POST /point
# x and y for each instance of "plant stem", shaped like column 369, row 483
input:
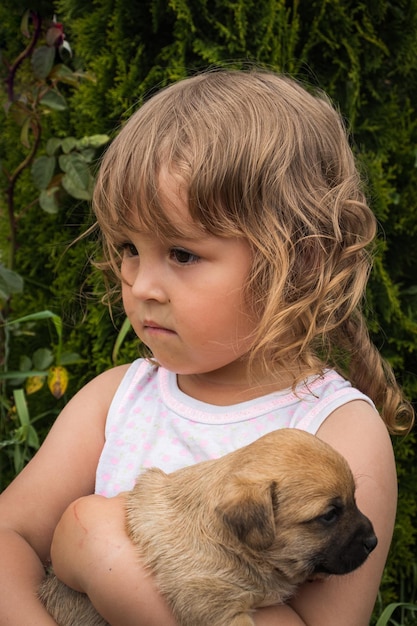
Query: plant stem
column 37, row 23
column 36, row 129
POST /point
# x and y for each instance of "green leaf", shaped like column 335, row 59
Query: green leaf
column 18, row 459
column 43, row 61
column 65, row 75
column 24, row 133
column 77, row 180
column 68, row 144
column 41, row 315
column 57, row 321
column 89, row 154
column 68, row 358
column 10, row 282
column 27, row 434
column 42, row 171
column 25, row 364
column 126, row 326
column 47, row 200
column 73, row 190
column 94, row 141
column 20, row 434
column 32, row 437
column 7, row 442
column 18, row 376
column 24, row 24
column 54, row 100
column 52, row 145
column 42, row 358
column 75, row 166
column 389, row 610
column 21, row 407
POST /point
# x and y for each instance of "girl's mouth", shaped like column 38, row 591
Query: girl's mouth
column 154, row 328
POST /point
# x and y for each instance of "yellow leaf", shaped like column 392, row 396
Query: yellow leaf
column 58, row 381
column 33, row 384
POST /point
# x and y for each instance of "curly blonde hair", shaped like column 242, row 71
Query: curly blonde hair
column 264, row 159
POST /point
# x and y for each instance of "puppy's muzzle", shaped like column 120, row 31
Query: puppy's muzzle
column 350, row 549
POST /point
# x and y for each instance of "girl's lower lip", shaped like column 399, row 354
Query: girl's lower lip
column 157, row 330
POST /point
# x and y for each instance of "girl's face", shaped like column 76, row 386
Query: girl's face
column 185, row 296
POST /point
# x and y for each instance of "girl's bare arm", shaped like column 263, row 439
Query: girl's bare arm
column 62, row 470
column 359, row 434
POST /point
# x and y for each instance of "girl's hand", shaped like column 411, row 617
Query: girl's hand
column 92, row 553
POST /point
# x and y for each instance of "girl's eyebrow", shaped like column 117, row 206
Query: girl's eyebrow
column 192, row 237
column 187, row 239
column 168, row 239
column 189, row 231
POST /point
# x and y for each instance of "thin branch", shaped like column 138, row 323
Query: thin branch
column 37, row 22
column 10, row 190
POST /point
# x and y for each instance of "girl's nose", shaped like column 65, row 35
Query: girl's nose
column 149, row 284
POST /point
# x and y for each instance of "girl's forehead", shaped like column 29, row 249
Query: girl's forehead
column 173, row 196
column 168, row 213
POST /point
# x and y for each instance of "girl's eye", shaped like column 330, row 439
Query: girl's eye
column 129, row 249
column 183, row 257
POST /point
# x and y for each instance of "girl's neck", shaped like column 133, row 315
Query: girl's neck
column 212, row 389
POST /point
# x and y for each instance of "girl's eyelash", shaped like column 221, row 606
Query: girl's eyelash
column 183, row 256
column 129, row 248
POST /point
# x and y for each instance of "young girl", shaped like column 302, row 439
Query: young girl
column 234, row 223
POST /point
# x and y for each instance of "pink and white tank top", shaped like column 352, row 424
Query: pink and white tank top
column 152, row 423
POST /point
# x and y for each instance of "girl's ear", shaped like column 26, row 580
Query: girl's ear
column 248, row 511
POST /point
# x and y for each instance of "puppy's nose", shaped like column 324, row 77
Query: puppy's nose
column 370, row 543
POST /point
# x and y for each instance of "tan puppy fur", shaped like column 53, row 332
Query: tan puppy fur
column 226, row 536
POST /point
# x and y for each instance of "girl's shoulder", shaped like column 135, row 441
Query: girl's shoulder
column 126, row 380
column 111, row 377
column 102, row 388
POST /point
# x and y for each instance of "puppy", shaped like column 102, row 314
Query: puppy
column 226, row 536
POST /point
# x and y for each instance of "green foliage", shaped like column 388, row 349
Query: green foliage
column 24, row 436
column 404, row 607
column 362, row 53
column 32, row 94
column 403, row 611
column 73, row 157
column 10, row 283
column 20, row 438
column 32, row 182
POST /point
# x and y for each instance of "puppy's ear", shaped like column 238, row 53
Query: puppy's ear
column 248, row 511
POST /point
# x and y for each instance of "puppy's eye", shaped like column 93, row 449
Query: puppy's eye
column 331, row 515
